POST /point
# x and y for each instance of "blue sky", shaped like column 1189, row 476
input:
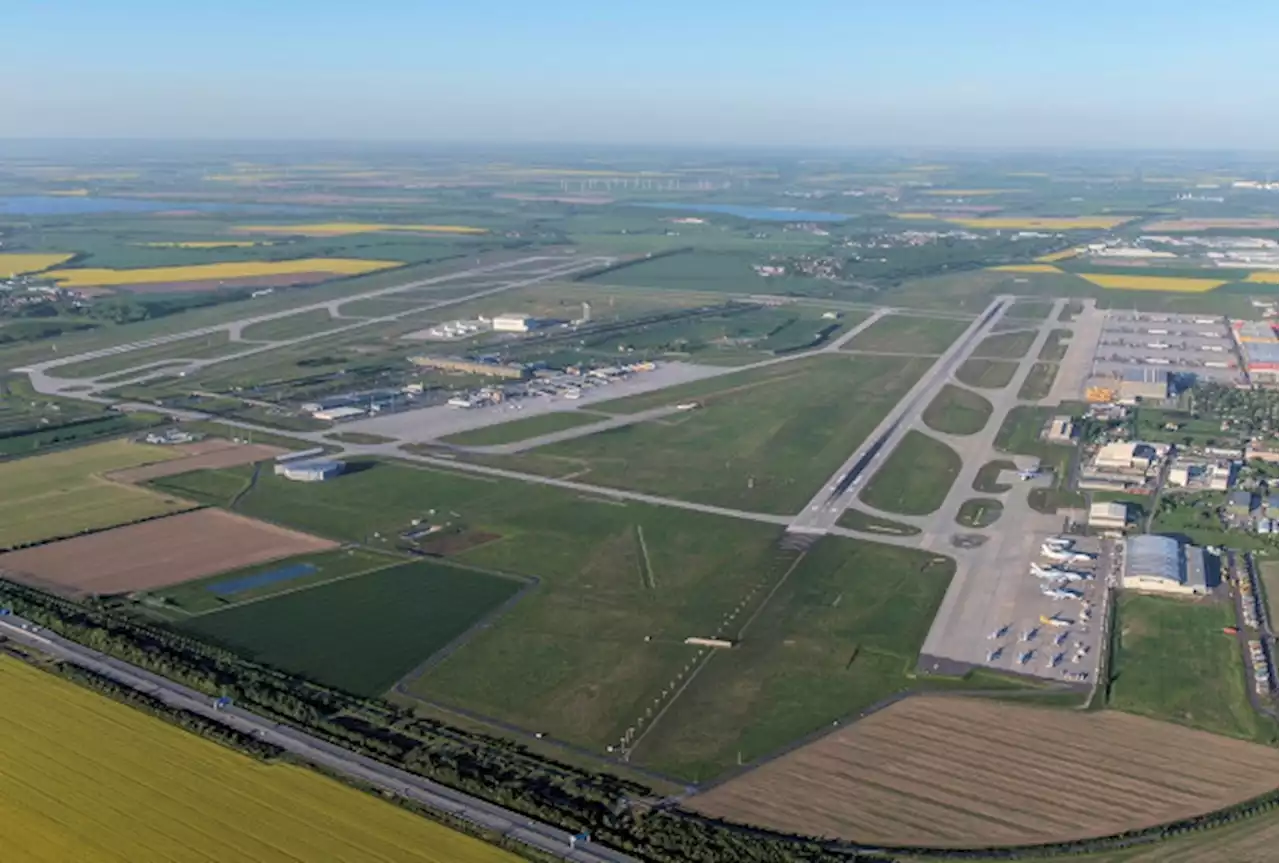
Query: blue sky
column 972, row 73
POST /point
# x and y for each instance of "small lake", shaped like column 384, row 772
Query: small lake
column 759, row 214
column 71, row 205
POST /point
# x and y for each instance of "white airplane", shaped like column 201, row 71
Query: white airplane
column 1064, row 555
column 1060, row 593
column 999, row 633
column 1055, row 573
column 995, row 654
column 1024, row 658
column 1057, row 622
column 1059, row 542
column 1029, row 474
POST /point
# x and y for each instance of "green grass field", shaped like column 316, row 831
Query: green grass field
column 1269, row 573
column 955, row 410
column 916, row 477
column 722, row 272
column 986, row 374
column 856, row 519
column 1019, row 434
column 979, row 512
column 301, row 324
column 841, row 633
column 62, row 493
column 1039, row 381
column 908, row 334
column 987, row 480
column 360, row 634
column 200, row 596
column 569, row 658
column 1031, row 310
column 523, row 428
column 762, row 440
column 1004, row 346
column 1173, row 662
column 1055, row 346
column 200, row 347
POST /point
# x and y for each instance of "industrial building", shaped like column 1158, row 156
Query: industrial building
column 1061, row 430
column 1202, row 475
column 1159, row 564
column 337, row 414
column 513, row 323
column 470, row 367
column 1109, row 516
column 1144, row 382
column 309, row 471
column 1129, row 455
column 1259, row 345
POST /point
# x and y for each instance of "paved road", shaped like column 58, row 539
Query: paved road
column 441, row 798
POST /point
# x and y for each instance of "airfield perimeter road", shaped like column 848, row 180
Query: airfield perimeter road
column 513, row 825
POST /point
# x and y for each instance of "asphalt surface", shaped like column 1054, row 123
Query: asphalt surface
column 438, row 797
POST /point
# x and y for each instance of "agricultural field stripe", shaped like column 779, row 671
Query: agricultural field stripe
column 261, row 579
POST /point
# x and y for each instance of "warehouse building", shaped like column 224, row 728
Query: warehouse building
column 309, row 471
column 513, row 323
column 1109, row 516
column 1144, row 382
column 1159, row 564
column 1128, row 455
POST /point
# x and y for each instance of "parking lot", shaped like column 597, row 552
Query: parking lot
column 1182, row 344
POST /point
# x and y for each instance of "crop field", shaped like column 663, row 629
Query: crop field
column 205, row 455
column 338, row 229
column 986, row 374
column 63, row 493
column 1026, row 268
column 524, row 428
column 915, row 478
column 360, row 634
column 1004, row 346
column 156, row 553
column 1173, row 662
column 1264, row 277
column 18, row 263
column 90, row 780
column 570, row 657
column 1152, row 283
column 1039, row 381
column 969, row 772
column 1251, row 841
column 908, row 335
column 763, row 439
column 215, row 274
column 956, row 410
column 838, row 635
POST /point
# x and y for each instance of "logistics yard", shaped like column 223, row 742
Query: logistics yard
column 776, row 518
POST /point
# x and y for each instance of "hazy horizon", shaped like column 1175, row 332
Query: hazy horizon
column 1000, row 76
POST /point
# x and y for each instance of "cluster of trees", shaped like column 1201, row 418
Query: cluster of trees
column 618, row 812
column 1249, row 413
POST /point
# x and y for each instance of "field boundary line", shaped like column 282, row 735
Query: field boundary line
column 646, row 566
column 675, row 696
column 769, row 596
column 299, row 589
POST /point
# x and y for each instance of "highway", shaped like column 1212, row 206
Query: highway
column 440, row 798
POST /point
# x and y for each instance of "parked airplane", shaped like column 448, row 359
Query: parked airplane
column 1059, row 542
column 1064, row 555
column 1057, row 622
column 1056, row 659
column 1030, row 634
column 1024, row 658
column 1056, row 573
column 1059, row 639
column 999, row 633
column 995, row 654
column 1060, row 593
column 1029, row 474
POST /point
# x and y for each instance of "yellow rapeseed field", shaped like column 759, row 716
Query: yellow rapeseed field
column 1047, row 223
column 205, row 244
column 1264, row 277
column 1027, row 268
column 1152, row 283
column 1053, row 257
column 88, row 780
column 919, row 216
column 90, row 277
column 17, row 263
column 334, row 229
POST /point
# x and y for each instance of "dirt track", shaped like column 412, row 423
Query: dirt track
column 204, row 455
column 156, row 553
column 960, row 771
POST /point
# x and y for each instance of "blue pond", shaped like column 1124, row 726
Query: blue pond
column 259, row 579
column 57, row 205
column 759, row 214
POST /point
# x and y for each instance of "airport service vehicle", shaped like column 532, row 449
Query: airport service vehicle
column 686, row 406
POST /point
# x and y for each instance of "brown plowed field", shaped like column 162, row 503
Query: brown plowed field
column 942, row 771
column 156, row 553
column 203, row 455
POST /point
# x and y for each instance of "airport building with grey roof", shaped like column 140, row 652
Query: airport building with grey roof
column 1160, row 564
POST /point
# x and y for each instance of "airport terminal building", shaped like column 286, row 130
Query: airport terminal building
column 1158, row 564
